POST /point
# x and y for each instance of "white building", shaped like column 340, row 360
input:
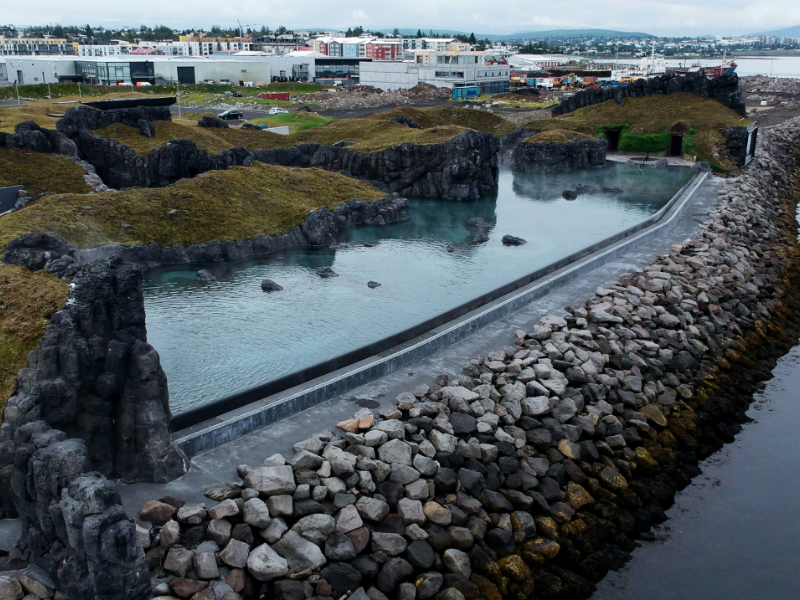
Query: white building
column 486, row 71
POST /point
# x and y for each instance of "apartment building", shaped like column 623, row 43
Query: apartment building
column 486, row 71
column 359, row 47
column 437, row 44
column 35, row 47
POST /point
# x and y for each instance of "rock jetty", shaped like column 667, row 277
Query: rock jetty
column 537, row 471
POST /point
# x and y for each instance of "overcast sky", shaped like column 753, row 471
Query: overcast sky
column 673, row 17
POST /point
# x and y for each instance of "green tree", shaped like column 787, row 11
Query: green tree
column 396, row 32
column 358, row 31
column 419, row 33
column 472, row 39
column 281, row 30
column 89, row 32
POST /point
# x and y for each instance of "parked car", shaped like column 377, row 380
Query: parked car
column 276, row 110
column 230, row 115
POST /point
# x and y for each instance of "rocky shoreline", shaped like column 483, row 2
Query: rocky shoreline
column 537, row 471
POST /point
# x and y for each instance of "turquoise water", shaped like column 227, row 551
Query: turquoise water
column 228, row 336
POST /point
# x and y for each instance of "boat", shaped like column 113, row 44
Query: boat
column 727, row 66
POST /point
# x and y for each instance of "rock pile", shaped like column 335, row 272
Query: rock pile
column 351, row 97
column 777, row 91
column 542, row 464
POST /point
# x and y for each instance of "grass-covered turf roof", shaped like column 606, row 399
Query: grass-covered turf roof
column 371, row 135
column 219, row 205
column 438, row 116
column 558, row 135
column 653, row 116
column 41, row 172
column 27, row 301
column 650, row 115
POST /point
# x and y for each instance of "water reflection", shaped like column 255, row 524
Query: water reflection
column 228, row 336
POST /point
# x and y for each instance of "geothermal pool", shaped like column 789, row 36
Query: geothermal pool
column 228, row 336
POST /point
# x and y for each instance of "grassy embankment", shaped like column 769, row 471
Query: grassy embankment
column 439, row 116
column 558, row 136
column 41, row 172
column 297, row 121
column 646, row 122
column 70, row 90
column 372, row 134
column 219, row 205
column 27, row 301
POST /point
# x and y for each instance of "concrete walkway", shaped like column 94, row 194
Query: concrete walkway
column 220, row 464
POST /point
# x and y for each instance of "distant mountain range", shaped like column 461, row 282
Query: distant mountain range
column 565, row 33
column 788, row 32
column 526, row 35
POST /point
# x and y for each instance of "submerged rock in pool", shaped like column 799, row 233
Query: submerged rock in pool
column 510, row 240
column 270, row 286
column 326, row 272
column 371, row 244
column 612, row 190
column 479, row 222
column 373, row 284
column 569, row 194
column 481, row 238
column 204, row 276
column 586, row 189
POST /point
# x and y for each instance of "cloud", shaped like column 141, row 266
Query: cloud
column 360, row 16
column 667, row 17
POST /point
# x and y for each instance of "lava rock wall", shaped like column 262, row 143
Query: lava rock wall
column 558, row 157
column 94, row 376
column 73, row 523
column 459, row 169
column 89, row 118
column 725, row 89
column 29, row 136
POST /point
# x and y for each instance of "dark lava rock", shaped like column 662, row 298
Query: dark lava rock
column 365, row 565
column 391, row 491
column 212, row 122
column 286, row 589
column 420, row 554
column 438, row 537
column 305, row 508
column 205, row 276
column 407, row 122
column 147, row 128
column 510, row 240
column 472, row 482
column 463, row 423
column 394, row 571
column 480, row 238
column 326, row 272
column 341, row 576
column 586, row 189
column 569, row 195
column 612, row 190
column 500, row 540
column 251, row 126
column 495, row 502
column 446, row 482
column 270, row 286
column 373, row 284
column 371, row 244
column 479, row 222
column 449, row 460
column 428, row 584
